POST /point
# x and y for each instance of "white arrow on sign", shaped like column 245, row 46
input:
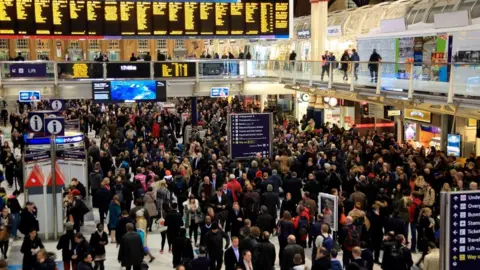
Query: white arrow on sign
column 455, row 198
column 455, row 249
column 455, row 232
column 455, row 206
column 455, row 224
column 455, row 241
column 455, row 215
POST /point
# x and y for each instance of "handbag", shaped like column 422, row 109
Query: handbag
column 4, row 235
column 199, row 218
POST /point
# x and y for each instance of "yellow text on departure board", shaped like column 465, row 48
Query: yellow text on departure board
column 266, row 17
column 143, row 14
column 175, row 70
column 21, row 6
column 92, row 6
column 3, row 10
column 111, row 11
column 190, row 20
column 80, row 71
column 221, row 10
column 281, row 15
column 160, row 9
column 57, row 7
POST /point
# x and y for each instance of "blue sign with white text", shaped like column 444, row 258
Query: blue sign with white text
column 250, row 134
column 28, row 70
column 28, row 96
column 219, row 92
column 464, row 251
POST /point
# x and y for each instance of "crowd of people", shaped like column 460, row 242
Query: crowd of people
column 144, row 179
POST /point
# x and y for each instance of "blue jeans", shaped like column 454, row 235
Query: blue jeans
column 413, row 243
column 15, row 223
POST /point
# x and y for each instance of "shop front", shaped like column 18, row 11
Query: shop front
column 422, row 128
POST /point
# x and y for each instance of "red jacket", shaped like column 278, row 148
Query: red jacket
column 411, row 209
column 235, row 187
column 305, row 213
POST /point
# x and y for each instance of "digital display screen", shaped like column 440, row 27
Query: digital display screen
column 144, row 18
column 95, row 18
column 112, row 18
column 43, row 17
column 176, row 19
column 61, row 17
column 192, row 14
column 78, row 17
column 128, row 18
column 25, row 17
column 160, row 18
column 207, row 19
column 7, row 16
column 281, row 22
column 252, row 18
column 267, row 15
column 175, row 69
column 222, row 18
column 28, row 96
column 129, row 91
column 237, row 18
column 128, row 70
column 250, row 134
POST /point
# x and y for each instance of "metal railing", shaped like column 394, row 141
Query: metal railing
column 447, row 79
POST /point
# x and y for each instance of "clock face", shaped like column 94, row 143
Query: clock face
column 305, row 97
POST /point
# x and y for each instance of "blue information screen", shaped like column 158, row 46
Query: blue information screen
column 250, row 134
column 464, row 252
column 28, row 96
column 217, row 92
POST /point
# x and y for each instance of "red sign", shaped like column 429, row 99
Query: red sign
column 59, row 177
column 35, row 178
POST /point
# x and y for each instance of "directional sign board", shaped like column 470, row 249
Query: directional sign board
column 463, row 230
column 54, row 126
column 250, row 134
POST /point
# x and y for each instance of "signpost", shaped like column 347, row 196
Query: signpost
column 460, row 230
column 250, row 134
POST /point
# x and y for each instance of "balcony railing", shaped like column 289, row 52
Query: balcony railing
column 444, row 79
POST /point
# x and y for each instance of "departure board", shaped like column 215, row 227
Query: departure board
column 237, row 18
column 176, row 19
column 144, row 18
column 78, row 17
column 95, row 18
column 25, row 17
column 192, row 14
column 160, row 18
column 7, row 16
column 207, row 19
column 43, row 17
column 282, row 27
column 252, row 19
column 267, row 16
column 222, row 18
column 112, row 18
column 128, row 18
column 61, row 17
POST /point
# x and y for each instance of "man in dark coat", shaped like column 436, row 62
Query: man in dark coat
column 28, row 219
column 202, row 262
column 293, row 186
column 235, row 220
column 80, row 187
column 214, row 242
column 121, row 228
column 264, row 256
column 173, row 222
column 131, row 249
column 233, row 256
column 272, row 201
column 265, row 222
column 289, row 252
column 220, row 202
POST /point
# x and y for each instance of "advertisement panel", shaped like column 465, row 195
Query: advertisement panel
column 219, row 92
column 250, row 134
column 454, row 145
column 28, row 96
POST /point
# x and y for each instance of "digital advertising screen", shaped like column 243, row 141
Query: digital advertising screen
column 78, row 17
column 219, row 92
column 128, row 70
column 8, row 17
column 61, row 17
column 28, row 96
column 95, row 18
column 129, row 91
column 454, row 145
column 250, row 134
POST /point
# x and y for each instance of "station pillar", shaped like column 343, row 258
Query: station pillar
column 194, row 112
column 319, row 23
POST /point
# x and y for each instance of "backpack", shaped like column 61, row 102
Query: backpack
column 352, row 238
column 303, row 225
column 327, row 242
column 397, row 256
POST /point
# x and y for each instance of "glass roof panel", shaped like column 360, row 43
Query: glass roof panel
column 353, row 24
column 439, row 9
column 372, row 21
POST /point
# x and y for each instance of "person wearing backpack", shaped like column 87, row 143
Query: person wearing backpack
column 352, row 236
column 324, row 239
column 400, row 255
column 357, row 259
column 301, row 223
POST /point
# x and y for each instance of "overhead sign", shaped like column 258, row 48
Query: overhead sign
column 35, row 121
column 418, row 115
column 250, row 134
column 453, row 145
column 175, row 69
column 219, row 92
column 303, row 34
column 463, row 232
column 57, row 104
column 28, row 96
column 334, row 31
column 28, row 70
column 54, row 126
column 394, row 112
column 128, row 70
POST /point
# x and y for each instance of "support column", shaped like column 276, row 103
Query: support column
column 319, row 23
column 194, row 112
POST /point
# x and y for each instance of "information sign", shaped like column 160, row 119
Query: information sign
column 250, row 134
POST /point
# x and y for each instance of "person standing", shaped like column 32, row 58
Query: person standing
column 28, row 219
column 94, row 179
column 15, row 208
column 131, row 251
column 30, row 247
column 344, row 64
column 98, row 240
column 286, row 261
column 202, row 262
column 67, row 245
column 173, row 222
column 373, row 65
column 114, row 213
column 86, row 264
column 325, row 64
column 355, row 58
column 182, row 250
column 264, row 256
column 103, row 201
column 232, row 256
column 214, row 242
